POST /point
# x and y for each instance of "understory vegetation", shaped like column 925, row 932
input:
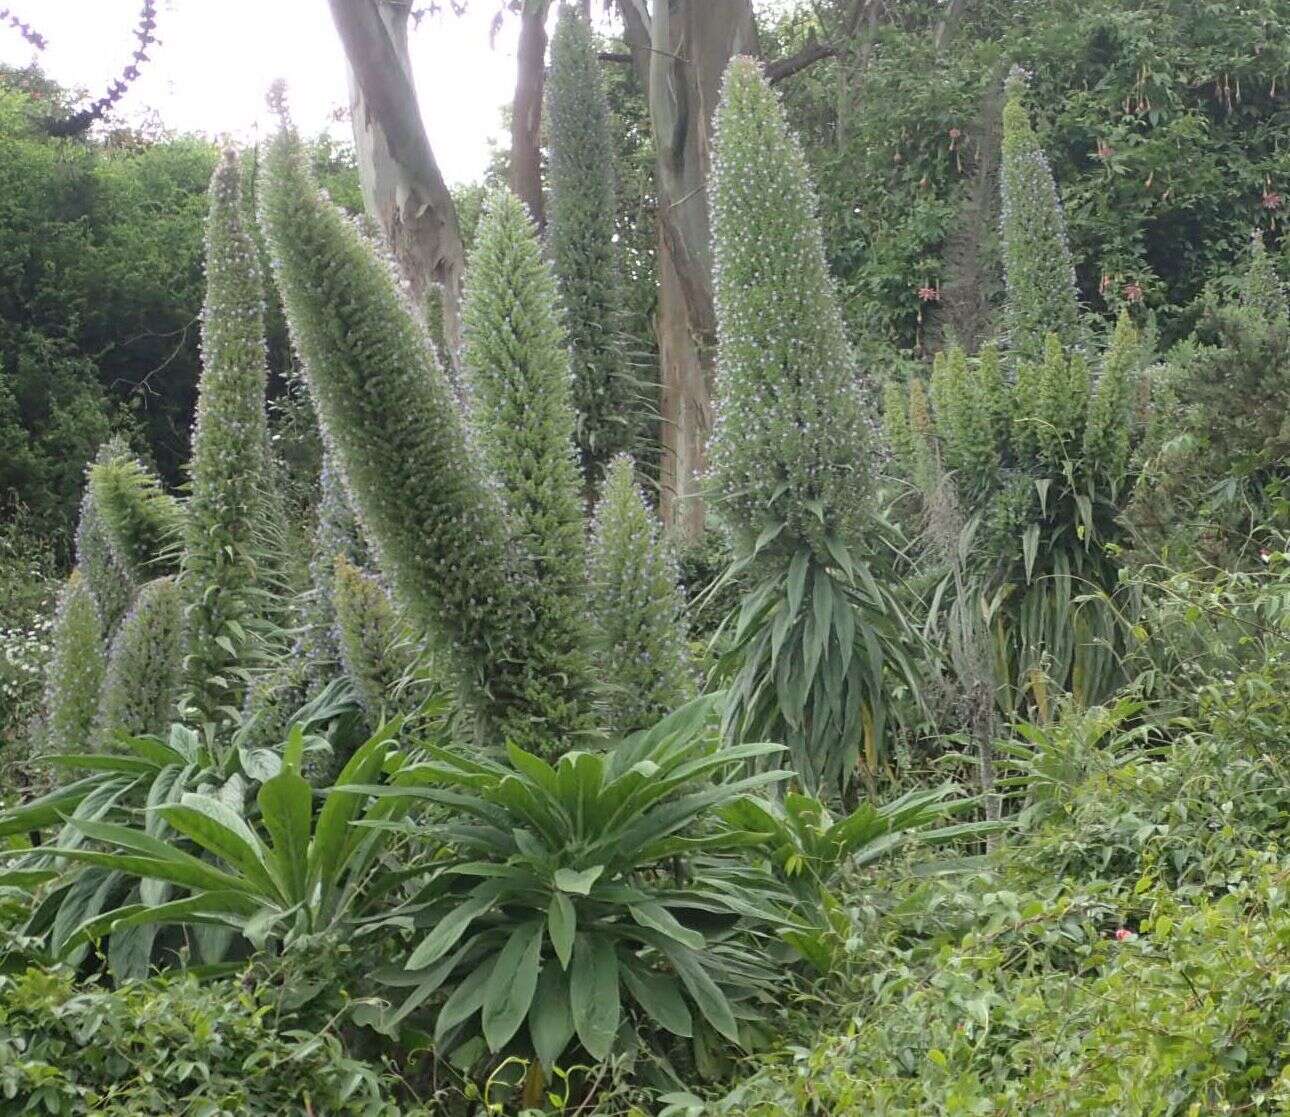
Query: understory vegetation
column 375, row 747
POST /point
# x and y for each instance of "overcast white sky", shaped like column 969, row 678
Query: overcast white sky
column 217, row 58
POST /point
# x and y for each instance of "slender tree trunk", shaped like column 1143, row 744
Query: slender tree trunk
column 403, row 188
column 526, row 114
column 586, row 10
column 946, row 25
column 680, row 49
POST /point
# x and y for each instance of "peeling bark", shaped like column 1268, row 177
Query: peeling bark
column 526, row 110
column 403, row 188
column 680, row 50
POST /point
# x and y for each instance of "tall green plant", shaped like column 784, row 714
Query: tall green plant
column 228, row 461
column 1044, row 464
column 143, row 668
column 105, row 574
column 1039, row 270
column 76, row 666
column 517, row 372
column 582, row 239
column 144, row 524
column 556, row 920
column 636, row 597
column 791, row 456
column 374, row 646
column 438, row 522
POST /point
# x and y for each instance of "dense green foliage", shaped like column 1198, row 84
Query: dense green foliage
column 176, row 1046
column 981, row 806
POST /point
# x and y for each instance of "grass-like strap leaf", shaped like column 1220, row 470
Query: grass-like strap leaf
column 219, row 830
column 466, row 999
column 705, row 992
column 578, row 882
column 286, row 805
column 663, row 921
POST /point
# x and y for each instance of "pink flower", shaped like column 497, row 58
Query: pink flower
column 1104, row 150
column 1123, row 934
column 1133, row 292
column 929, row 295
column 1271, row 199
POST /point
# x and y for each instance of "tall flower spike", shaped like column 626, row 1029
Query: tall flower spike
column 143, row 523
column 1109, row 428
column 439, row 527
column 581, row 233
column 228, row 460
column 106, row 576
column 792, row 440
column 144, row 666
column 636, row 596
column 517, row 372
column 336, row 535
column 374, row 647
column 1039, row 271
column 75, row 673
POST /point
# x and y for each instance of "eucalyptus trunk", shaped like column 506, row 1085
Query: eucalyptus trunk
column 403, row 188
column 680, row 50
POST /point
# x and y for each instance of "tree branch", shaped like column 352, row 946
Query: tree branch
column 814, row 51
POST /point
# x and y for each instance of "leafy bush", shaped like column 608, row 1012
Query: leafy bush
column 590, row 899
column 169, row 1047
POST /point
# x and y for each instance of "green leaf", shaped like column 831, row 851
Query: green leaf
column 660, row 996
column 551, row 1018
column 332, row 831
column 453, row 925
column 220, row 831
column 593, row 993
column 286, row 805
column 562, row 922
column 512, row 984
column 706, row 993
column 662, row 920
column 578, row 883
column 466, row 999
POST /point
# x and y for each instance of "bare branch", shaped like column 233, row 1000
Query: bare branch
column 814, row 51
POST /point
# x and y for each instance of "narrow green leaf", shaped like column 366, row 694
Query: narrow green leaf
column 562, row 922
column 510, row 989
column 593, row 993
